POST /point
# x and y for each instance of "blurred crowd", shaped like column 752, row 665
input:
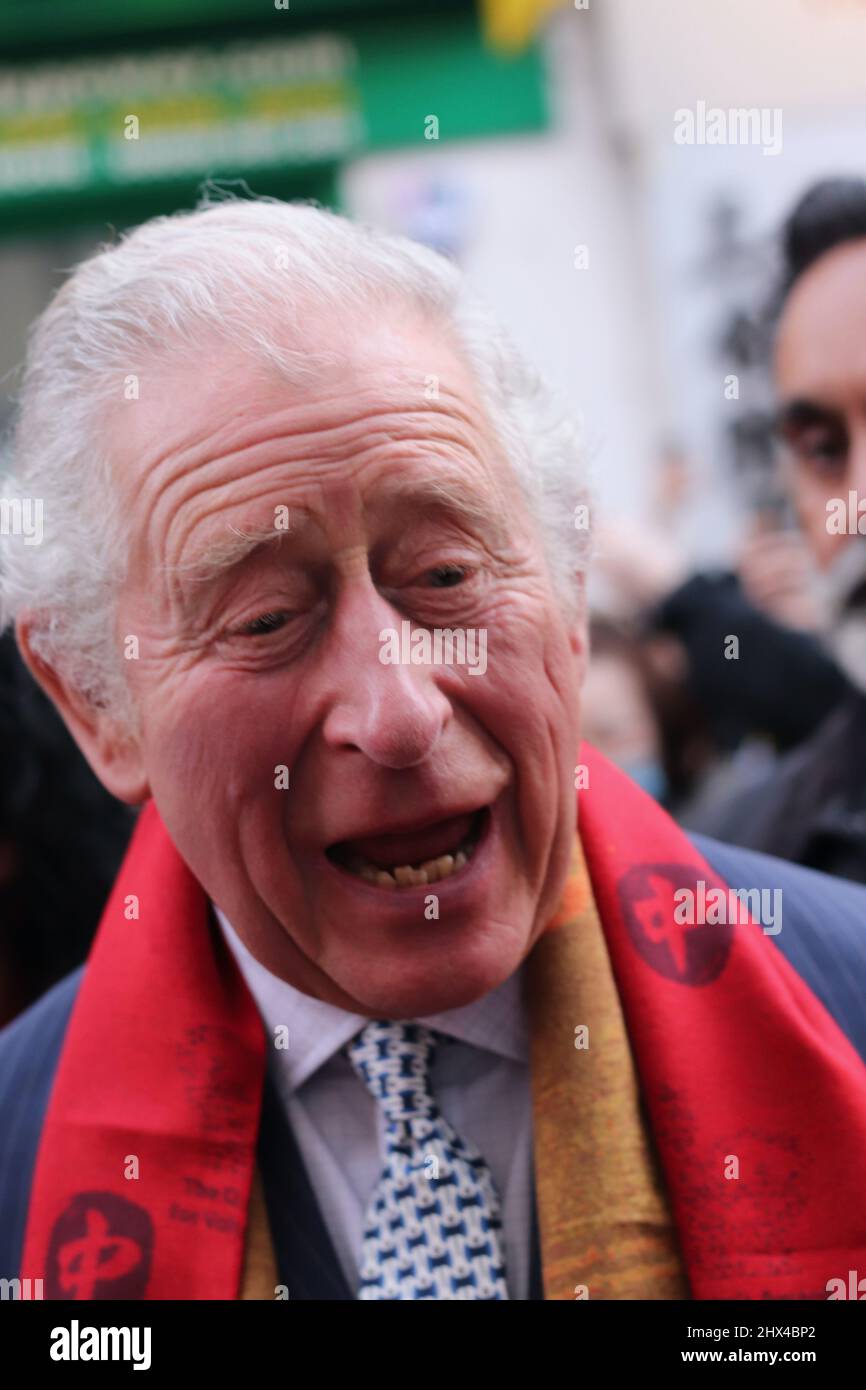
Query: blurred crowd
column 736, row 698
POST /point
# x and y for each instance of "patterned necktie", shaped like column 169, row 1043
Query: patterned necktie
column 433, row 1227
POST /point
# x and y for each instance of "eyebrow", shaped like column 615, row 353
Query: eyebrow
column 443, row 494
column 448, row 494
column 800, row 413
column 229, row 551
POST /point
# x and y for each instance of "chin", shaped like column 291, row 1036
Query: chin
column 451, row 981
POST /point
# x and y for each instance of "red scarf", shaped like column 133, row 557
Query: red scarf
column 143, row 1178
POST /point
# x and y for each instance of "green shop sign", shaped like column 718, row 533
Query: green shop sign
column 136, row 117
column 93, row 130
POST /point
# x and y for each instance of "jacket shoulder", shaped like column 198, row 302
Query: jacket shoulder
column 823, row 927
column 29, row 1051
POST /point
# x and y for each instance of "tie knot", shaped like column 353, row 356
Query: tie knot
column 393, row 1061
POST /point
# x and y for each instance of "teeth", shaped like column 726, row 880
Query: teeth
column 412, row 876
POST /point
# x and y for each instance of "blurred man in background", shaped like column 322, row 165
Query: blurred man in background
column 796, row 602
column 812, row 807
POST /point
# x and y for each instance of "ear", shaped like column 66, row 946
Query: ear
column 113, row 753
column 578, row 633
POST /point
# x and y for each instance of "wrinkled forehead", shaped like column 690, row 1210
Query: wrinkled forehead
column 215, row 440
column 179, row 396
column 299, row 349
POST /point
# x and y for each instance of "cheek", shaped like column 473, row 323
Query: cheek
column 529, row 698
column 810, row 501
column 217, row 743
column 557, row 676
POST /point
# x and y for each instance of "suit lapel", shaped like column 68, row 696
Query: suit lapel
column 536, row 1282
column 306, row 1260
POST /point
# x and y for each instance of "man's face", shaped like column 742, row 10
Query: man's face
column 821, row 377
column 400, row 509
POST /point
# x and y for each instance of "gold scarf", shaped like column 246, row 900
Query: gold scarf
column 604, row 1222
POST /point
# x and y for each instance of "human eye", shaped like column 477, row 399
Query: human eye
column 819, row 444
column 447, row 576
column 822, row 447
column 269, row 634
column 264, row 624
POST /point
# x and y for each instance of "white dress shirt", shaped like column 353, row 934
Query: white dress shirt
column 481, row 1085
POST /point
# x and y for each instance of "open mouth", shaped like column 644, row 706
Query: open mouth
column 408, row 860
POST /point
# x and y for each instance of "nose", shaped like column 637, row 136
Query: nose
column 395, row 714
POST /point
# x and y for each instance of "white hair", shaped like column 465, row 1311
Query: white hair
column 227, row 267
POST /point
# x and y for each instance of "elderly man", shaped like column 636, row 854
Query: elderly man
column 365, row 1016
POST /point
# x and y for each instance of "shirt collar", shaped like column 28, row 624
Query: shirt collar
column 496, row 1022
